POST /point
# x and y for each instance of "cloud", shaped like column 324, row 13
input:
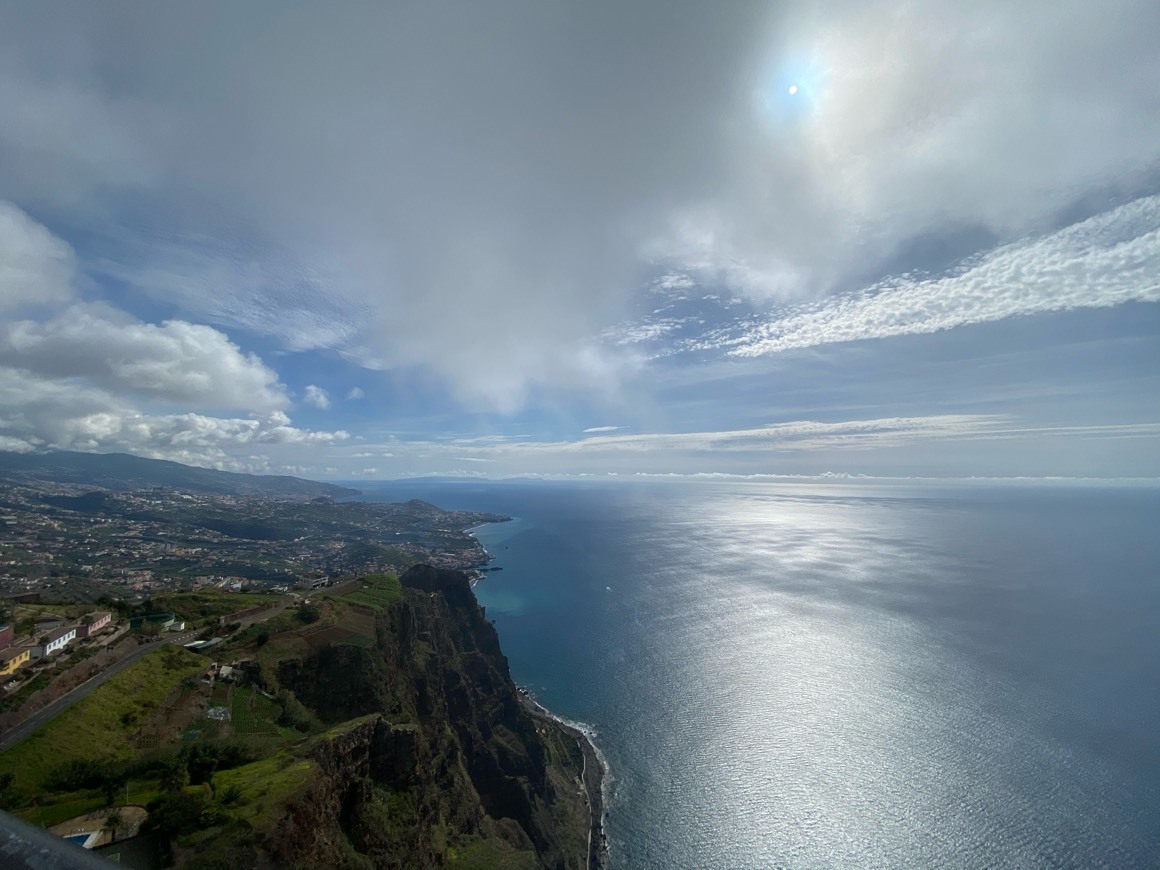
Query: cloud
column 602, row 429
column 487, row 221
column 316, row 396
column 795, row 435
column 235, row 284
column 35, row 266
column 178, row 362
column 922, row 120
column 355, row 394
column 1104, row 261
column 62, row 414
column 801, row 435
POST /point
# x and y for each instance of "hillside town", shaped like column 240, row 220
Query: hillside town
column 67, row 542
column 50, row 637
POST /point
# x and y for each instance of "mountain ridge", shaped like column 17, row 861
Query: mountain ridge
column 123, row 472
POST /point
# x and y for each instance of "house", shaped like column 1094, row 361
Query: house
column 161, row 620
column 11, row 659
column 93, row 623
column 54, row 642
column 7, row 636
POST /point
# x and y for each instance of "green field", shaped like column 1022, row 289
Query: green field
column 379, row 591
column 100, row 726
column 251, row 712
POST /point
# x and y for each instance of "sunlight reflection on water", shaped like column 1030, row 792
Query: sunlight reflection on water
column 788, row 679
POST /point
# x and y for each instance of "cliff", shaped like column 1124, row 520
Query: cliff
column 432, row 761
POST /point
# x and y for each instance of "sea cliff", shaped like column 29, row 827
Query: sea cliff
column 431, row 759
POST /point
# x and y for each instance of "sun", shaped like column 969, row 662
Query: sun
column 792, row 90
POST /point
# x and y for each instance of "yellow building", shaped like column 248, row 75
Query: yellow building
column 11, row 659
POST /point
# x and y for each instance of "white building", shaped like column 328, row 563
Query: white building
column 55, row 642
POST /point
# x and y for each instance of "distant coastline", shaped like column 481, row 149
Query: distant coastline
column 479, row 571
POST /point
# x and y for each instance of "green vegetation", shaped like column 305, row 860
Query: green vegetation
column 13, row 701
column 257, row 790
column 379, row 591
column 280, row 648
column 359, row 640
column 63, row 810
column 113, row 712
column 210, row 603
column 387, row 785
column 474, row 853
column 251, row 712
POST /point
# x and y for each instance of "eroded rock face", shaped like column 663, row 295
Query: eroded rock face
column 451, row 753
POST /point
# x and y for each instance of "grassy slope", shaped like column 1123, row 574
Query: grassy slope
column 94, row 727
column 264, row 785
column 379, row 591
column 259, row 790
column 206, row 603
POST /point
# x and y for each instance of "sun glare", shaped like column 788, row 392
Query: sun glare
column 792, row 90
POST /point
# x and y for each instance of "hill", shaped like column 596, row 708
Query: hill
column 121, row 472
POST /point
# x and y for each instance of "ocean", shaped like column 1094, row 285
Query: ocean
column 843, row 676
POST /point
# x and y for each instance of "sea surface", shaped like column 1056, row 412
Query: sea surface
column 840, row 676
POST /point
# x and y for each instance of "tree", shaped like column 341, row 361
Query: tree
column 114, row 822
column 175, row 775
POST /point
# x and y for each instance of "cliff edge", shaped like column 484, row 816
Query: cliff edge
column 430, row 760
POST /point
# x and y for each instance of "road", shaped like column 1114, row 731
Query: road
column 15, row 735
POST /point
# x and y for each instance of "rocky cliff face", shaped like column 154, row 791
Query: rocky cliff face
column 445, row 768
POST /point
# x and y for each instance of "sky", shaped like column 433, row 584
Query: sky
column 370, row 241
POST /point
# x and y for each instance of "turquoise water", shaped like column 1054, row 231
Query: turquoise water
column 809, row 677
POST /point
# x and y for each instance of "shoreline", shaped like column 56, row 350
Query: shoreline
column 595, row 775
column 474, row 575
column 595, row 778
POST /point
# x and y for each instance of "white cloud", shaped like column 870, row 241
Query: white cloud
column 35, row 266
column 1104, row 261
column 316, row 396
column 795, row 435
column 355, row 394
column 488, row 222
column 60, row 414
column 591, row 429
column 177, row 362
column 916, row 119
